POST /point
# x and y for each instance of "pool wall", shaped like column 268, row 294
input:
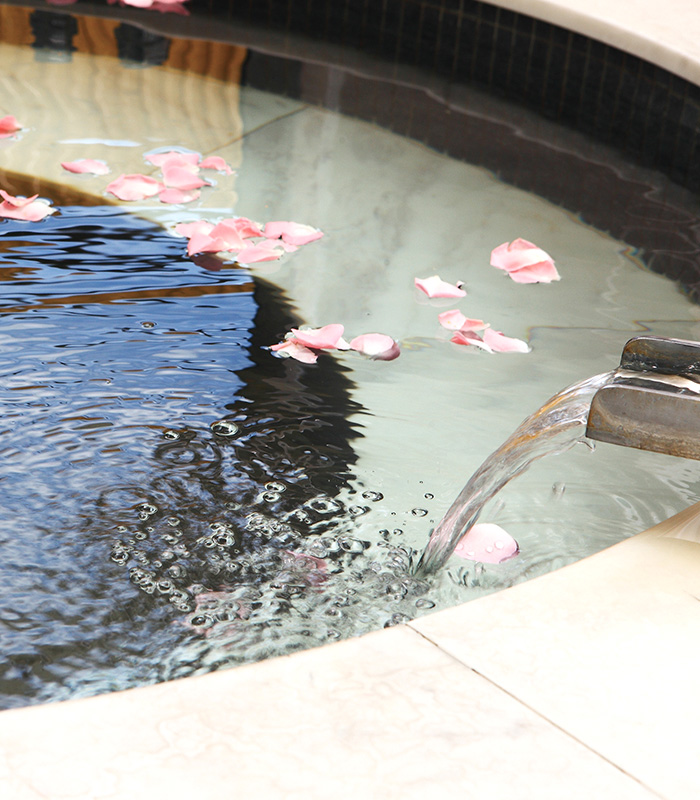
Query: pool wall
column 582, row 683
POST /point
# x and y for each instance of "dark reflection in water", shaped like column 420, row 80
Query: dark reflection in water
column 152, row 454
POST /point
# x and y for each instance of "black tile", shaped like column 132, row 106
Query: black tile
column 487, row 13
column 449, row 36
column 409, row 38
column 506, row 18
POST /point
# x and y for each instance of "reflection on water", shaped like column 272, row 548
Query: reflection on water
column 142, row 424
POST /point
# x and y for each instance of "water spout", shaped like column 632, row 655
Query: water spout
column 554, row 428
column 650, row 402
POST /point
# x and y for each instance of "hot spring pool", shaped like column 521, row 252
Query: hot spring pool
column 176, row 498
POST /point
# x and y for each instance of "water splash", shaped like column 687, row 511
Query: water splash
column 553, row 429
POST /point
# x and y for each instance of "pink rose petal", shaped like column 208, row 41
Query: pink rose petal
column 204, row 243
column 217, row 163
column 188, row 229
column 8, row 126
column 229, row 232
column 134, row 187
column 504, row 344
column 292, row 232
column 524, row 262
column 469, row 337
column 292, row 348
column 456, row 321
column 171, row 195
column 27, row 209
column 245, row 227
column 252, row 254
column 378, row 346
column 329, row 337
column 86, row 165
column 436, row 287
column 487, row 543
column 172, row 156
column 176, row 176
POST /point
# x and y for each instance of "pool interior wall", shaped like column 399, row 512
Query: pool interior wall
column 177, row 733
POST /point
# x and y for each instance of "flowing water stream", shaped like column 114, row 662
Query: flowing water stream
column 552, row 429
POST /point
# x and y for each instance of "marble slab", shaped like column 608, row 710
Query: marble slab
column 385, row 716
column 608, row 649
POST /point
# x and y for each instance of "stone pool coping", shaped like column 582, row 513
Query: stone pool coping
column 581, row 683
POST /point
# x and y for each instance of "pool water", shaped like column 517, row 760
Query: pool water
column 176, row 498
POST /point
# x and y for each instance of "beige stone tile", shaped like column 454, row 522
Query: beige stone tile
column 663, row 33
column 608, row 649
column 384, row 716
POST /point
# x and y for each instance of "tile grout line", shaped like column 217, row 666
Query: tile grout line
column 542, row 716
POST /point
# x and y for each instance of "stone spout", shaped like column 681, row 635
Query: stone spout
column 652, row 401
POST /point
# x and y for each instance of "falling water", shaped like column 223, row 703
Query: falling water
column 553, row 429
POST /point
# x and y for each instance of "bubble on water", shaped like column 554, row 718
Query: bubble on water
column 396, row 619
column 270, row 497
column 275, row 486
column 122, row 528
column 224, row 427
column 165, row 586
column 201, row 621
column 398, row 532
column 148, row 324
column 351, row 545
column 358, row 511
column 324, row 505
column 171, row 435
column 119, row 554
column 423, row 602
column 140, row 535
column 429, row 496
column 373, row 496
column 173, row 522
column 419, row 512
column 146, row 509
column 299, row 516
column 224, row 538
column 558, row 489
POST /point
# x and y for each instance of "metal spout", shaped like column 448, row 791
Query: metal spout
column 652, row 401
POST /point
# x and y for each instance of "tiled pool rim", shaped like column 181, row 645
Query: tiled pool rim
column 192, row 734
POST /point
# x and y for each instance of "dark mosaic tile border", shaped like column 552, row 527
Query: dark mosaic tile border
column 650, row 114
column 592, row 89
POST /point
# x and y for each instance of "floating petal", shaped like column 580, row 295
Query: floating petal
column 326, row 338
column 8, row 126
column 135, row 187
column 292, row 232
column 434, row 286
column 86, row 165
column 27, row 209
column 265, row 251
column 189, row 229
column 292, row 348
column 524, row 262
column 469, row 337
column 378, row 346
column 456, row 321
column 229, row 232
column 217, row 163
column 487, row 543
column 504, row 344
column 172, row 195
column 176, row 176
column 173, row 157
